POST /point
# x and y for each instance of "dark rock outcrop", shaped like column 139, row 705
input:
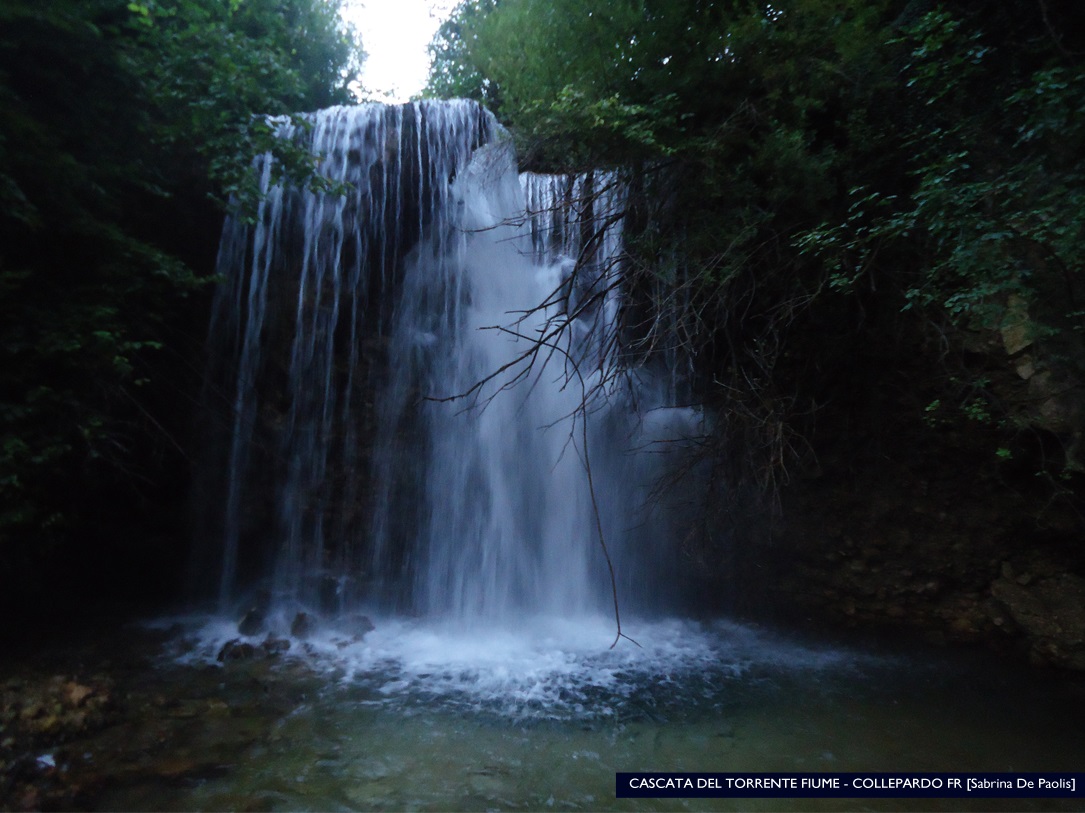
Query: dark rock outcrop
column 1050, row 611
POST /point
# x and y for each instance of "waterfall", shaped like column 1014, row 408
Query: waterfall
column 404, row 374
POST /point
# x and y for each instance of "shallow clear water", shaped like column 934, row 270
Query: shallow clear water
column 420, row 716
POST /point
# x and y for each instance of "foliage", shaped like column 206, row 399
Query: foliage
column 994, row 208
column 827, row 177
column 454, row 72
column 117, row 121
column 993, row 202
column 222, row 70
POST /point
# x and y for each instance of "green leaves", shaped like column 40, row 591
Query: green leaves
column 823, row 176
column 117, row 121
column 142, row 14
column 219, row 71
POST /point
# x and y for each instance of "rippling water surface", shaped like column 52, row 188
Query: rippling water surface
column 422, row 716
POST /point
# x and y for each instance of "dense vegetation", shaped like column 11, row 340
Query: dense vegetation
column 846, row 212
column 123, row 128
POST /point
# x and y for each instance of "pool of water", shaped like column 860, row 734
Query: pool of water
column 541, row 715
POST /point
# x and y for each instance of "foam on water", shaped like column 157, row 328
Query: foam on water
column 544, row 667
column 422, row 715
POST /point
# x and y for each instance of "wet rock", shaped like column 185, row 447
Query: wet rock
column 274, row 646
column 1025, row 367
column 359, row 624
column 76, row 693
column 1017, row 330
column 54, row 710
column 237, row 650
column 302, row 626
column 252, row 622
column 1052, row 614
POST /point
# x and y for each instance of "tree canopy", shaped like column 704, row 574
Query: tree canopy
column 120, row 124
column 827, row 177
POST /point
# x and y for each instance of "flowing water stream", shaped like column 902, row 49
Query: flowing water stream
column 427, row 406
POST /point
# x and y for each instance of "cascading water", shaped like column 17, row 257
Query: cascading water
column 410, row 367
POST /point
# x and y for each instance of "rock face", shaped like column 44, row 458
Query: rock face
column 915, row 522
column 252, row 623
column 275, row 646
column 302, row 626
column 954, row 557
column 359, row 624
column 1052, row 614
column 1053, row 399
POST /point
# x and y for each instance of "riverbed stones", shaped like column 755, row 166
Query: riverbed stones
column 273, row 646
column 302, row 626
column 359, row 624
column 57, row 709
column 237, row 650
column 252, row 623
